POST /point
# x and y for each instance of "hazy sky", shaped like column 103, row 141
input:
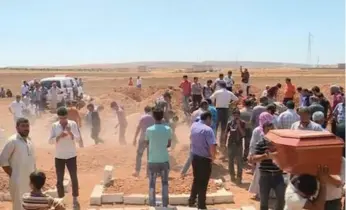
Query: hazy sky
column 68, row 32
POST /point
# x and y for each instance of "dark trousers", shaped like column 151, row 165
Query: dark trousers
column 286, row 100
column 222, row 119
column 248, row 90
column 196, row 100
column 333, row 127
column 71, row 165
column 235, row 152
column 273, row 181
column 201, row 168
column 247, row 139
column 333, row 204
column 95, row 135
column 142, row 146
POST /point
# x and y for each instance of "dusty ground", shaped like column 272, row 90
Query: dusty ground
column 92, row 159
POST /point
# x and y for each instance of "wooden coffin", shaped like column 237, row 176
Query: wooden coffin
column 300, row 152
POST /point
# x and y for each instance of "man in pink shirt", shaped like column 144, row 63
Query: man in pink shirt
column 337, row 98
column 185, row 85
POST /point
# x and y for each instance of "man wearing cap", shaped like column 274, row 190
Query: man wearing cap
column 305, row 122
column 222, row 99
column 288, row 117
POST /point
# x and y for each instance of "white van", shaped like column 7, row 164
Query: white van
column 64, row 83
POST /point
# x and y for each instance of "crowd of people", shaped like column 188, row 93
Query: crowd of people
column 33, row 100
column 242, row 121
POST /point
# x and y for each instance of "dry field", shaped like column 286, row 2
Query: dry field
column 106, row 87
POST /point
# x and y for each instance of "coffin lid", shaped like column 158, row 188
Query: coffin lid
column 303, row 138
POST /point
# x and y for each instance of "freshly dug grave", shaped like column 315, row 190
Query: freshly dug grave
column 176, row 185
column 5, row 185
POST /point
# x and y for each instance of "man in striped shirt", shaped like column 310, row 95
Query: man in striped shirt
column 36, row 199
column 271, row 176
column 288, row 117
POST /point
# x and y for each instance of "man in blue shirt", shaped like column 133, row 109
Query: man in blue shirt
column 213, row 111
column 158, row 136
column 203, row 149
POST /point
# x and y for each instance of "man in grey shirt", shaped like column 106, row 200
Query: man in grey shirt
column 196, row 92
column 257, row 110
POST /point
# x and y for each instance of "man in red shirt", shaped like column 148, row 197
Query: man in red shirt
column 185, row 85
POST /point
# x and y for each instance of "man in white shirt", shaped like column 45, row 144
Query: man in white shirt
column 17, row 108
column 18, row 161
column 302, row 188
column 203, row 108
column 305, row 123
column 229, row 81
column 24, row 88
column 139, row 82
column 265, row 91
column 65, row 135
column 222, row 99
column 329, row 197
column 54, row 91
column 218, row 81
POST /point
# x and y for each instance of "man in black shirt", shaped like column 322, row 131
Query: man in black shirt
column 95, row 124
column 236, row 131
column 271, row 176
column 327, row 107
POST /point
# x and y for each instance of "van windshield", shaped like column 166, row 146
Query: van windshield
column 48, row 83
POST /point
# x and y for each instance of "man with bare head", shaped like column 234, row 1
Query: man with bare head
column 122, row 121
column 18, row 160
column 54, row 91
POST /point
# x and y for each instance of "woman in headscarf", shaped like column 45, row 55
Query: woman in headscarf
column 257, row 136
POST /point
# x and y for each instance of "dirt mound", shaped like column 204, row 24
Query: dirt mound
column 176, row 185
column 50, row 182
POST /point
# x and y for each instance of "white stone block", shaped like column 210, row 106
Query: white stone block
column 67, row 184
column 248, row 208
column 111, row 209
column 222, row 196
column 52, row 192
column 138, row 208
column 210, row 199
column 96, row 194
column 180, row 199
column 107, row 174
column 185, row 208
column 112, row 198
column 135, row 199
column 163, row 208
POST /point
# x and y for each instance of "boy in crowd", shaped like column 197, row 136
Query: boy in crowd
column 236, row 130
column 36, row 199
